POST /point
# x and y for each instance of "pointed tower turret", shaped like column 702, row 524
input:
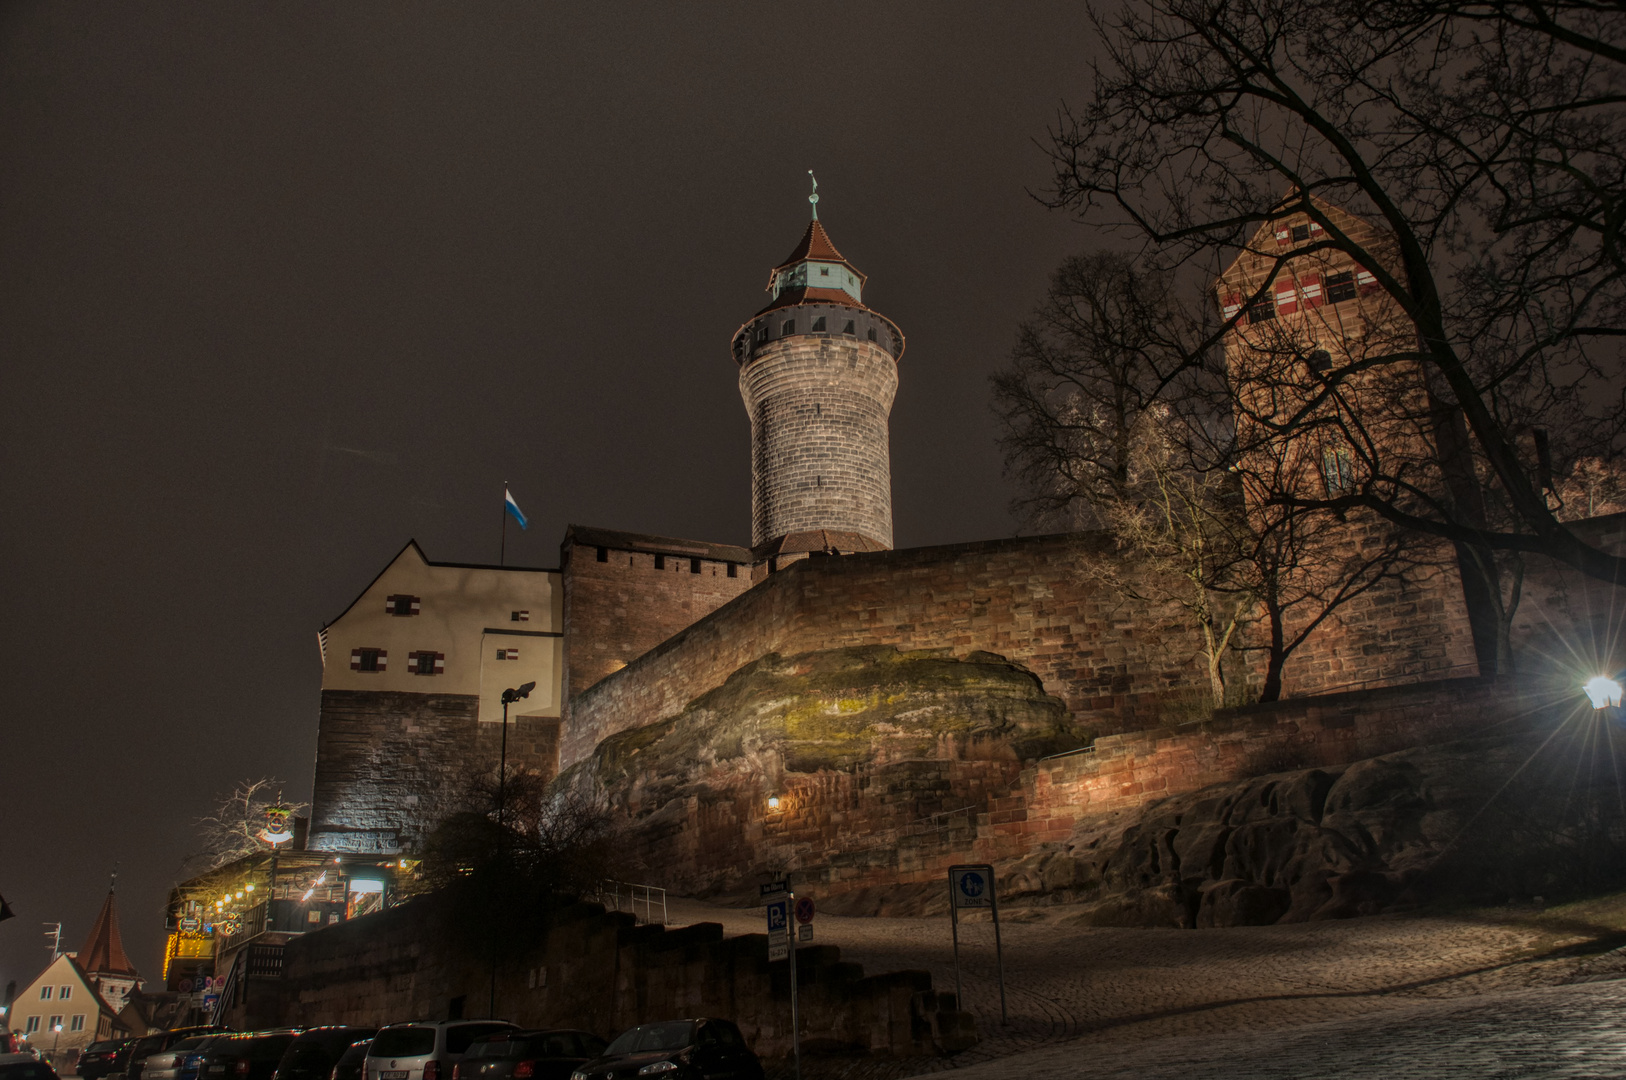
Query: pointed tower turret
column 103, row 958
column 818, row 372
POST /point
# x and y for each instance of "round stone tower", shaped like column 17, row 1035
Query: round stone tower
column 818, row 371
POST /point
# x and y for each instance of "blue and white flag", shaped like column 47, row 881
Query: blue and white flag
column 512, row 507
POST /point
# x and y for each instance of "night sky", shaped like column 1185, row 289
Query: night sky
column 283, row 285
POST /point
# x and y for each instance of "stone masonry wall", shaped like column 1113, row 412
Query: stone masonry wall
column 1568, row 626
column 1116, row 665
column 820, row 457
column 390, row 765
column 581, row 967
column 619, row 609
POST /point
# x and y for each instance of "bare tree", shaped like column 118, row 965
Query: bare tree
column 1486, row 141
column 236, row 827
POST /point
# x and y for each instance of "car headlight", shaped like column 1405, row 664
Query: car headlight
column 658, row 1067
column 578, row 1075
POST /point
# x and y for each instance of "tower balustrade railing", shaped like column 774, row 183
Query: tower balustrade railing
column 613, row 894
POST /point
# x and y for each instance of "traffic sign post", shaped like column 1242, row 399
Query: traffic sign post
column 972, row 886
column 782, row 906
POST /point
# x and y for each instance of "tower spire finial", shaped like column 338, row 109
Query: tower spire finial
column 814, row 198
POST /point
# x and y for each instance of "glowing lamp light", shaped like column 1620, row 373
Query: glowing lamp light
column 773, row 802
column 57, row 1028
column 250, row 887
column 1603, row 691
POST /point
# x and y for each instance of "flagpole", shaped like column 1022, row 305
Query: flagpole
column 502, row 552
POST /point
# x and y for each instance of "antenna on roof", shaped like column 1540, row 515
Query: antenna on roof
column 814, row 198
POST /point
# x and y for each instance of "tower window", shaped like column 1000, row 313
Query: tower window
column 660, row 562
column 694, row 566
column 1341, row 287
column 762, row 334
column 872, row 333
column 818, row 325
column 824, row 271
column 603, row 555
column 848, row 329
column 733, row 571
column 787, row 328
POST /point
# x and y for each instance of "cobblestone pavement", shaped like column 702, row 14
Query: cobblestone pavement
column 1560, row 1031
column 1085, row 992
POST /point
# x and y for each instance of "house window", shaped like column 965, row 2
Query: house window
column 787, row 328
column 45, row 993
column 1301, row 232
column 660, row 562
column 63, row 993
column 78, row 1023
column 519, row 616
column 733, row 571
column 818, row 325
column 848, row 329
column 1262, row 310
column 402, row 605
column 55, row 1022
column 1337, row 471
column 428, row 663
column 694, row 566
column 368, row 659
column 603, row 555
column 33, row 1025
column 507, row 654
column 1341, row 287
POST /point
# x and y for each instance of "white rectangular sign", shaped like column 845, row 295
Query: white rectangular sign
column 778, row 929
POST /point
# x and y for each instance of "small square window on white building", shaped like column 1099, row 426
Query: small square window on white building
column 368, row 659
column 402, row 604
column 507, row 654
column 520, row 616
column 427, row 663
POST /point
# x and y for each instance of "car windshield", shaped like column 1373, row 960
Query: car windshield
column 403, row 1042
column 646, row 1038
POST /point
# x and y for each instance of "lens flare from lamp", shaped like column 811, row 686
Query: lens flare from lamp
column 1603, row 691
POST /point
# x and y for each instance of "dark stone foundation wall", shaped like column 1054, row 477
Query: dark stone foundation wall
column 389, row 766
column 580, row 967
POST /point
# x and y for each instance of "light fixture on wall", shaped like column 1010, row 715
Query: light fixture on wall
column 773, row 802
column 1604, row 692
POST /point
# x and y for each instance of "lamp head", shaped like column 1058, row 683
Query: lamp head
column 1603, row 691
column 773, row 802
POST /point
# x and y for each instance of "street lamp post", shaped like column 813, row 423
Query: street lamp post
column 508, row 698
column 1604, row 692
column 55, row 1041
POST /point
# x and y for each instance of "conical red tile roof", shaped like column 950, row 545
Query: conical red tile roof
column 103, row 951
column 815, row 245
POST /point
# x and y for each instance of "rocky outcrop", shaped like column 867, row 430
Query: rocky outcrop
column 1479, row 819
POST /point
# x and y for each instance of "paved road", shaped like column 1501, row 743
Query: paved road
column 1560, row 1031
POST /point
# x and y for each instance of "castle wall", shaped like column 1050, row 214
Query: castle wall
column 1115, row 663
column 1568, row 626
column 587, row 969
column 391, row 765
column 621, row 601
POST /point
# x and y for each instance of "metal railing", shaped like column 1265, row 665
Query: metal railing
column 612, row 894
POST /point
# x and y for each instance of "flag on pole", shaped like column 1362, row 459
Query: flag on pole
column 513, row 507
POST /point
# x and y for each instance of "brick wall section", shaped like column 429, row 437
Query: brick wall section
column 619, row 609
column 1127, row 771
column 820, row 457
column 596, row 971
column 1115, row 664
column 1569, row 626
column 389, row 765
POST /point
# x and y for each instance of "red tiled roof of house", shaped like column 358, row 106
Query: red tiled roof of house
column 103, row 951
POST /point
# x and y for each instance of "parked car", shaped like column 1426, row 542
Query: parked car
column 187, row 1069
column 166, row 1064
column 99, row 1058
column 248, row 1056
column 352, row 1064
column 702, row 1049
column 134, row 1066
column 425, row 1051
column 528, row 1055
column 316, row 1051
column 22, row 1066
